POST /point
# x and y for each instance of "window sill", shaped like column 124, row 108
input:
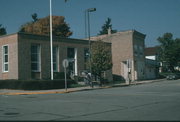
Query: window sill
column 5, row 72
column 36, row 71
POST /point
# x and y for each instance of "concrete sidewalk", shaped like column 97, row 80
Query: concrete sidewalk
column 58, row 91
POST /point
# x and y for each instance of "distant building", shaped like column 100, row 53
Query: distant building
column 152, row 53
column 127, row 54
column 152, row 67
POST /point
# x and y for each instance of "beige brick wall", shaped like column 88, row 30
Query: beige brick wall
column 11, row 41
column 25, row 41
column 123, row 49
column 20, row 55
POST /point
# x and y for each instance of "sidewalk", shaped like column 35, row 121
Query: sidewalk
column 60, row 91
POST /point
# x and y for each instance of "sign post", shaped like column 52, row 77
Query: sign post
column 129, row 65
column 65, row 65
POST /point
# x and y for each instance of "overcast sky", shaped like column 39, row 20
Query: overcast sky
column 150, row 17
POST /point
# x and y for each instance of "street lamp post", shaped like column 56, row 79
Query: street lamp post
column 88, row 11
column 51, row 43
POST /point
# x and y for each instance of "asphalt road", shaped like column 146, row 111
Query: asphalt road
column 152, row 101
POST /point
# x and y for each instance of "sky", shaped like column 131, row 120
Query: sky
column 150, row 17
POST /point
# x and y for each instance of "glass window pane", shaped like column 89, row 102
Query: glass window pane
column 54, row 66
column 55, row 58
column 34, row 57
column 5, row 49
column 86, row 54
column 70, row 53
column 5, row 58
column 5, row 67
column 34, row 66
column 54, row 50
column 34, row 49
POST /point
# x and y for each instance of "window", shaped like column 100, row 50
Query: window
column 135, row 50
column 135, row 47
column 86, row 57
column 70, row 53
column 71, row 56
column 35, row 58
column 141, row 49
column 86, row 54
column 5, row 58
column 55, row 58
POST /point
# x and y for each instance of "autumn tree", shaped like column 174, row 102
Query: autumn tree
column 101, row 59
column 169, row 51
column 2, row 30
column 107, row 26
column 42, row 26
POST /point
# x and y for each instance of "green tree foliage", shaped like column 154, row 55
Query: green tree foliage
column 107, row 26
column 42, row 26
column 2, row 30
column 101, row 59
column 34, row 17
column 169, row 53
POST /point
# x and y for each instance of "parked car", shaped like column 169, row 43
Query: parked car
column 172, row 76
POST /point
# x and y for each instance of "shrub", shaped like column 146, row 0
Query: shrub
column 118, row 78
column 78, row 78
column 34, row 84
column 60, row 75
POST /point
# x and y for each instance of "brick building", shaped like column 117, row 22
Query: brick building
column 127, row 54
column 27, row 56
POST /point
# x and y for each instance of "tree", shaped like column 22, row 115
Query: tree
column 169, row 51
column 34, row 17
column 107, row 26
column 2, row 30
column 101, row 59
column 42, row 27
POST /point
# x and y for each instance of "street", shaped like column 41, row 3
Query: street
column 152, row 101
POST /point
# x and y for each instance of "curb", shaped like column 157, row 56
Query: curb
column 48, row 92
column 69, row 91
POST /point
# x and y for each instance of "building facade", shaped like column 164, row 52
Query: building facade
column 27, row 56
column 153, row 65
column 127, row 54
column 152, row 53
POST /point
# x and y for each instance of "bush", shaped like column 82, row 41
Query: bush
column 60, row 75
column 78, row 78
column 118, row 78
column 34, row 84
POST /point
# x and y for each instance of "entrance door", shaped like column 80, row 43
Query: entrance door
column 72, row 57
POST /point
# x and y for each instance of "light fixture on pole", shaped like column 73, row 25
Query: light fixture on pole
column 89, row 10
column 51, row 43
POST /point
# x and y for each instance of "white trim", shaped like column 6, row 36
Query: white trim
column 75, row 62
column 3, row 58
